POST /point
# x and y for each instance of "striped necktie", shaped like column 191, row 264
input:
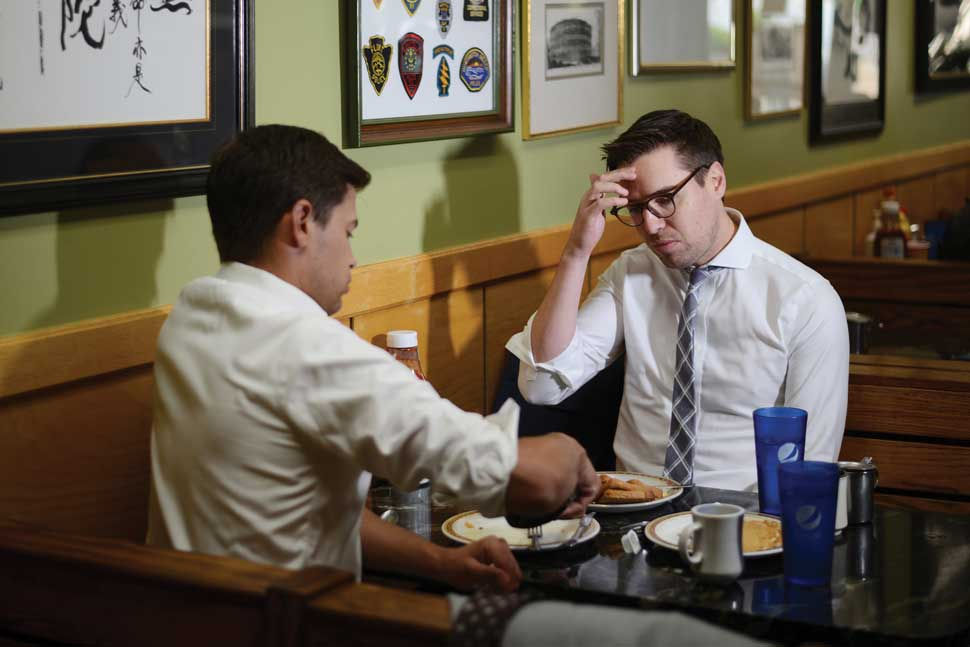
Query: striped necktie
column 679, row 462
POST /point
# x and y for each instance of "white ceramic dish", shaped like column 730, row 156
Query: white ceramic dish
column 671, row 490
column 665, row 531
column 472, row 526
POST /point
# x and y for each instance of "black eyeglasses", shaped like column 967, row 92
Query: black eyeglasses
column 661, row 205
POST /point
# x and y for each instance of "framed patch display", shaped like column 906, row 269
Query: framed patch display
column 774, row 58
column 122, row 100
column 847, row 55
column 686, row 35
column 425, row 69
column 571, row 49
column 942, row 45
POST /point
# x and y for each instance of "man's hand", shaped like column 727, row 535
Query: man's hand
column 487, row 563
column 590, row 217
column 587, row 489
column 551, row 469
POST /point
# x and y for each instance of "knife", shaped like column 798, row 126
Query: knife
column 580, row 529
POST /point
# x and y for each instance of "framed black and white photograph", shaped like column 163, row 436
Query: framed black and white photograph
column 570, row 50
column 848, row 68
column 574, row 39
column 942, row 45
column 686, row 35
column 109, row 101
column 775, row 56
column 425, row 69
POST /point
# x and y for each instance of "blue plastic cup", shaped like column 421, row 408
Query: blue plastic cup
column 809, row 495
column 779, row 437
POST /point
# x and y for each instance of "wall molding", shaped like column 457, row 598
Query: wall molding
column 52, row 356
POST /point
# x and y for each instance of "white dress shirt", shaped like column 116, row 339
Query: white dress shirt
column 769, row 331
column 267, row 414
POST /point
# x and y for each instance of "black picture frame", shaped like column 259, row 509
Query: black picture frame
column 429, row 125
column 46, row 170
column 932, row 75
column 833, row 119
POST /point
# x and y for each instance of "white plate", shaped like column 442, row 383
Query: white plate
column 672, row 490
column 472, row 526
column 665, row 531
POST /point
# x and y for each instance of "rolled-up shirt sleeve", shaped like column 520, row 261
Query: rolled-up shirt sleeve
column 597, row 341
column 818, row 369
column 374, row 412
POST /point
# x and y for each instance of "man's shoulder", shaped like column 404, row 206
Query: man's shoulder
column 781, row 267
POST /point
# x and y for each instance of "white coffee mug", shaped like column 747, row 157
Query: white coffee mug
column 711, row 544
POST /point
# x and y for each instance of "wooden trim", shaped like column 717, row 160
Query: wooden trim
column 63, row 354
column 44, row 358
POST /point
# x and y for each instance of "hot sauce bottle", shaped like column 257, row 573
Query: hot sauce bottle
column 890, row 241
column 403, row 345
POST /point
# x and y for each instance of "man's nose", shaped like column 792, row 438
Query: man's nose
column 652, row 224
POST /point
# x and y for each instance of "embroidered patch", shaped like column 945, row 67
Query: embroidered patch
column 474, row 69
column 377, row 56
column 410, row 61
column 444, row 77
column 377, row 3
column 476, row 10
column 444, row 16
column 443, row 49
column 411, row 5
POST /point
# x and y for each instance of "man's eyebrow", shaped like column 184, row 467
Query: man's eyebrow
column 662, row 191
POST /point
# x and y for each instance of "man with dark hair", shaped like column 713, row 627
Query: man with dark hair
column 714, row 322
column 268, row 411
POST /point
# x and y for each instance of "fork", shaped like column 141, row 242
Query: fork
column 534, row 533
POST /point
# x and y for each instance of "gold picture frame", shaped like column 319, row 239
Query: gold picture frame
column 571, row 49
column 774, row 58
column 682, row 36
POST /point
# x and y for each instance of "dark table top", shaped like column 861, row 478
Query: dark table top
column 904, row 579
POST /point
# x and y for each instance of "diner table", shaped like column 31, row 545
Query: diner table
column 903, row 579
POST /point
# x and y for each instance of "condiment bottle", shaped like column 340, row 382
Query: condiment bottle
column 890, row 241
column 403, row 345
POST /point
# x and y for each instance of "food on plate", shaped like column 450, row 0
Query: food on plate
column 760, row 534
column 614, row 490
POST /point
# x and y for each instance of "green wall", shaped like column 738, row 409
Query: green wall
column 62, row 267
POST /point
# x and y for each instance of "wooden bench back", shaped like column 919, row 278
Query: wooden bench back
column 84, row 591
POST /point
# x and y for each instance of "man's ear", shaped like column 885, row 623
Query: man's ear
column 296, row 224
column 717, row 178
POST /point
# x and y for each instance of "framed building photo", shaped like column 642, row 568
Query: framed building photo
column 684, row 35
column 112, row 101
column 942, row 45
column 775, row 57
column 425, row 69
column 570, row 50
column 848, row 68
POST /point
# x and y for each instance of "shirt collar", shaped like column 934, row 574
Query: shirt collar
column 737, row 253
column 280, row 290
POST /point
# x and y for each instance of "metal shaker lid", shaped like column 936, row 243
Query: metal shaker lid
column 865, row 465
column 858, row 317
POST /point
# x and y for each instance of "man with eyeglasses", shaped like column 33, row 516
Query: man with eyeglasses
column 713, row 322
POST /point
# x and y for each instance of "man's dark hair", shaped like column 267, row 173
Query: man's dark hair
column 695, row 142
column 258, row 175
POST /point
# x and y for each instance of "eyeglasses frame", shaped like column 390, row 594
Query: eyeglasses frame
column 660, row 194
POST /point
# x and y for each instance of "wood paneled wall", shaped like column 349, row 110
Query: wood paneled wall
column 75, row 401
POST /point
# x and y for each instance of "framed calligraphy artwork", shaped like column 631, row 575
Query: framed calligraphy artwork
column 847, row 58
column 425, row 69
column 110, row 100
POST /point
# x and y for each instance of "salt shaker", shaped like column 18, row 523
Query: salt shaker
column 403, row 345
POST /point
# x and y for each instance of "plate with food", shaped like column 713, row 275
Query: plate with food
column 629, row 492
column 472, row 526
column 760, row 534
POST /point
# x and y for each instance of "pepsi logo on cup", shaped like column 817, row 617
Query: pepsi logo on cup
column 808, row 517
column 788, row 453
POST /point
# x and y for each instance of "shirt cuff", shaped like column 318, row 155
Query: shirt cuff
column 567, row 366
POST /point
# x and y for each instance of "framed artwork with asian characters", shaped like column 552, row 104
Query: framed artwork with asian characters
column 117, row 101
column 425, row 69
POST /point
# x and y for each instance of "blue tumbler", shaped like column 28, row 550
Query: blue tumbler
column 779, row 437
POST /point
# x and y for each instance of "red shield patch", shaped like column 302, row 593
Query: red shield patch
column 410, row 61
